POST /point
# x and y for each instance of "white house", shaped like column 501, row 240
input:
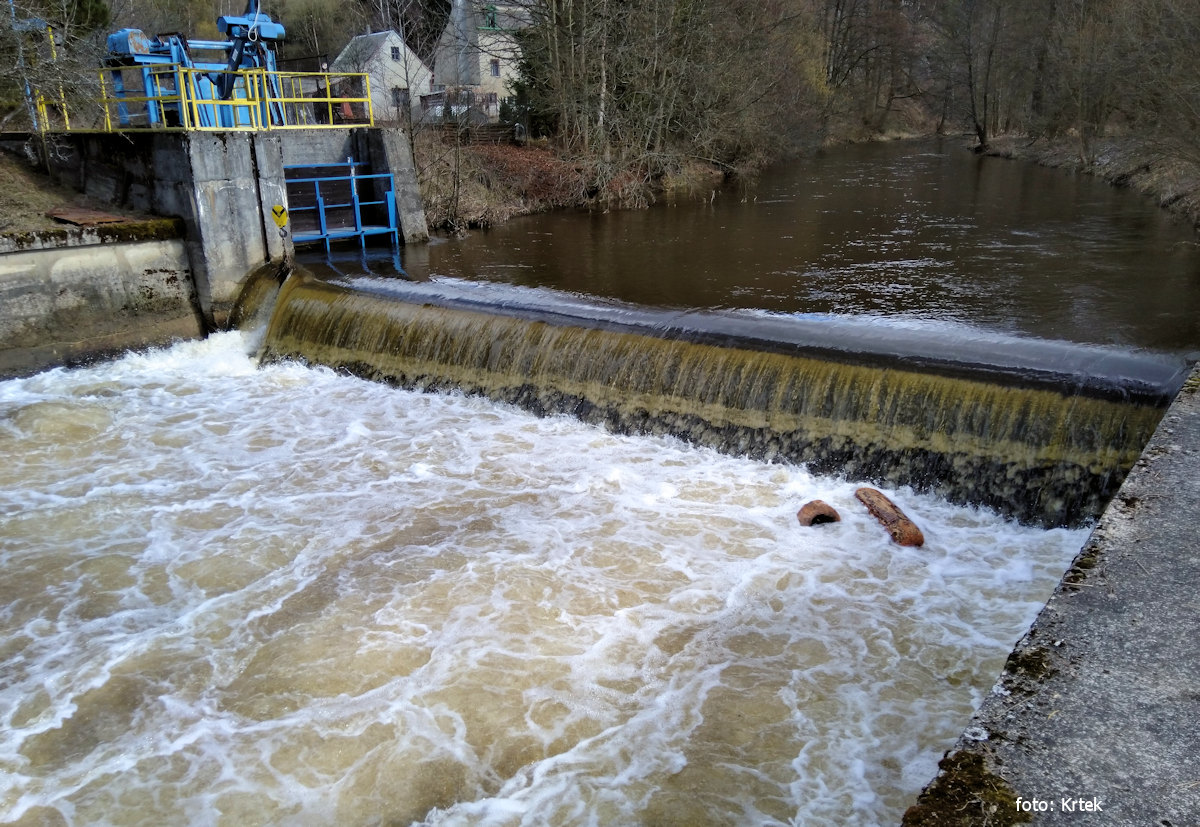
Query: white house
column 477, row 55
column 398, row 78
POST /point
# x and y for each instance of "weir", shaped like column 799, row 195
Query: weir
column 1045, row 442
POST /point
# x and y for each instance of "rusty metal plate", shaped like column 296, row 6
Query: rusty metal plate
column 82, row 217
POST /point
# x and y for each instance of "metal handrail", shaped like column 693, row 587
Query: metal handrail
column 255, row 105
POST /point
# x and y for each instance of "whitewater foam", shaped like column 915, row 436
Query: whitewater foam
column 279, row 595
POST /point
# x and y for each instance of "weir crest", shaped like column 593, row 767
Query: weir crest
column 1042, row 432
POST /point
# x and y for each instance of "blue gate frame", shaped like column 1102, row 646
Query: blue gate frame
column 321, row 194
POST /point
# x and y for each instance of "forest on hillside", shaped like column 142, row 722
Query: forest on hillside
column 646, row 84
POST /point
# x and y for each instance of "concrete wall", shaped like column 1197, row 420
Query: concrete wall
column 221, row 185
column 63, row 300
column 389, row 149
column 319, row 146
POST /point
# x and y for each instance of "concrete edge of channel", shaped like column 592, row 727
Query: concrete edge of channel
column 1094, row 717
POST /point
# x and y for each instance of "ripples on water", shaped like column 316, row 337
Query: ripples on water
column 264, row 596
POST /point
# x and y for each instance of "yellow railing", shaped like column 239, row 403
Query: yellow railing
column 183, row 98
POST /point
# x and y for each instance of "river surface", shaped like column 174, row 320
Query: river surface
column 238, row 595
column 899, row 232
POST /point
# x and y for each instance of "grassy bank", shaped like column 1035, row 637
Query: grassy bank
column 27, row 194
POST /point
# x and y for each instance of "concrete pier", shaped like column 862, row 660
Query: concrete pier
column 223, row 186
column 1096, row 717
column 74, row 294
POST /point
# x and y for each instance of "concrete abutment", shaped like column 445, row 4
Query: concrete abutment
column 1098, row 706
column 71, row 294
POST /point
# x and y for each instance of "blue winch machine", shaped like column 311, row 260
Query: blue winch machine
column 214, row 93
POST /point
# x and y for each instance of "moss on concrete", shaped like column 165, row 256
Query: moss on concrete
column 1192, row 384
column 1082, row 567
column 964, row 794
column 1032, row 663
column 150, row 229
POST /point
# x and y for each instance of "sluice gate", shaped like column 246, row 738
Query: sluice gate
column 1024, row 443
column 342, row 201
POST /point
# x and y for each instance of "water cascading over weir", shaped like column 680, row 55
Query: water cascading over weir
column 1040, row 431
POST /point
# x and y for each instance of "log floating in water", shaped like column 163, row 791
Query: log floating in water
column 818, row 512
column 903, row 530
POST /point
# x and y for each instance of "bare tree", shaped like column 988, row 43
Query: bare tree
column 642, row 85
column 319, row 28
column 1160, row 88
column 51, row 53
column 873, row 55
column 972, row 32
column 1089, row 63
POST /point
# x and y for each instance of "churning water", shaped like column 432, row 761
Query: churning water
column 242, row 595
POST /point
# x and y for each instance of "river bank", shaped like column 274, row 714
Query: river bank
column 478, row 186
column 1171, row 183
column 474, row 186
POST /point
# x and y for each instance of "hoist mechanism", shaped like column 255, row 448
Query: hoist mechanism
column 179, row 87
column 253, row 36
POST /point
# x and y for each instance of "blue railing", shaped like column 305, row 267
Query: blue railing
column 330, row 207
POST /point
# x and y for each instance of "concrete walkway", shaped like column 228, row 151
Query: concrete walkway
column 1096, row 718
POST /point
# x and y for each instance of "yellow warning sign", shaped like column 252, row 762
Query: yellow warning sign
column 279, row 213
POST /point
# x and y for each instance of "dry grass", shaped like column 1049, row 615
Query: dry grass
column 480, row 185
column 539, row 178
column 27, row 194
column 466, row 186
